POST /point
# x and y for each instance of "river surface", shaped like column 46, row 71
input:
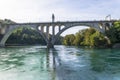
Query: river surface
column 60, row 63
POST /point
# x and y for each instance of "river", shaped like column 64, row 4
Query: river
column 60, row 63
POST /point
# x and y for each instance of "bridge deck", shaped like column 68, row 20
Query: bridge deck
column 63, row 22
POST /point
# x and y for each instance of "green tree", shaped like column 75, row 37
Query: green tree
column 78, row 39
column 97, row 40
column 114, row 33
column 69, row 39
column 87, row 34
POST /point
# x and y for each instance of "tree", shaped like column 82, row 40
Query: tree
column 87, row 34
column 114, row 33
column 69, row 39
column 78, row 39
column 97, row 40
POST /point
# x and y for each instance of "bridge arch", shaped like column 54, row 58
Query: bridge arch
column 95, row 26
column 14, row 27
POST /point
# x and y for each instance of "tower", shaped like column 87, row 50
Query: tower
column 53, row 18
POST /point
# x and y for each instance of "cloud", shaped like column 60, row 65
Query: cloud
column 64, row 10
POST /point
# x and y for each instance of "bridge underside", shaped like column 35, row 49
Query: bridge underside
column 45, row 28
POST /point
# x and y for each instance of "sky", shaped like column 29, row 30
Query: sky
column 64, row 10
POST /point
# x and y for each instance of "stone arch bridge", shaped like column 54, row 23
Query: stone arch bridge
column 44, row 28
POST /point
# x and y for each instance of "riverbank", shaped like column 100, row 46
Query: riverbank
column 117, row 45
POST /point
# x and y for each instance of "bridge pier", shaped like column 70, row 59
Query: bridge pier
column 50, row 38
column 50, row 45
column 2, row 45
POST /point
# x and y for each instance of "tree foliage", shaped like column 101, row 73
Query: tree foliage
column 88, row 37
column 25, row 36
column 78, row 39
column 69, row 39
column 114, row 33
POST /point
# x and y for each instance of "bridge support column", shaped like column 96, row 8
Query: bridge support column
column 59, row 28
column 42, row 29
column 2, row 45
column 50, row 45
column 49, row 38
column 47, row 32
column 53, row 33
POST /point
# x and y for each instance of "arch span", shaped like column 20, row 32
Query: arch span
column 95, row 26
column 12, row 28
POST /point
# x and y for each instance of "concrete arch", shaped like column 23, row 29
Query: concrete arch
column 96, row 26
column 14, row 27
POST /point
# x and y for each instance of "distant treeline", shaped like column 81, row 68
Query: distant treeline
column 93, row 38
column 25, row 36
column 88, row 37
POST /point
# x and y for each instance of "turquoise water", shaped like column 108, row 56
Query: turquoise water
column 61, row 63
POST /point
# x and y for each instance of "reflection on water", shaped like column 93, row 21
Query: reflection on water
column 61, row 63
column 88, row 64
column 26, row 63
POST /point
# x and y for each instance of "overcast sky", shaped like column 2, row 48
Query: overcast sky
column 64, row 10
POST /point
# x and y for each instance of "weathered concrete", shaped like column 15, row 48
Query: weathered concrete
column 7, row 29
